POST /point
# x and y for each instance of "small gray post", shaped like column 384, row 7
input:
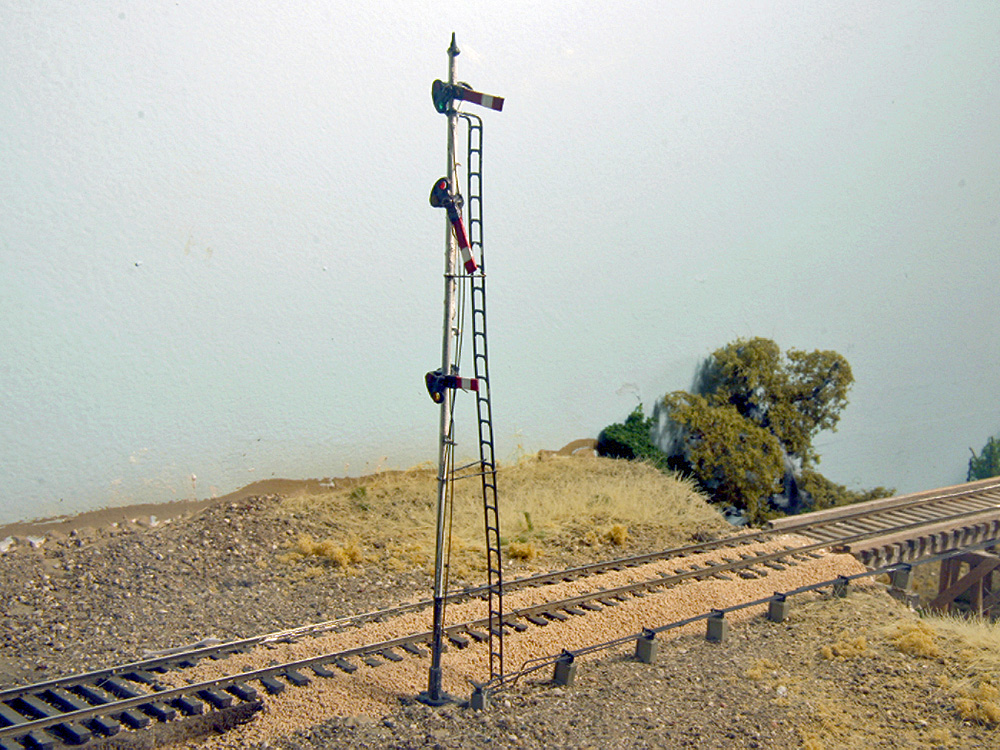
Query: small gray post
column 646, row 647
column 718, row 628
column 777, row 610
column 840, row 587
column 480, row 699
column 565, row 671
column 901, row 578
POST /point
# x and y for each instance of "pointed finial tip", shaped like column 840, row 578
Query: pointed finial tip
column 453, row 49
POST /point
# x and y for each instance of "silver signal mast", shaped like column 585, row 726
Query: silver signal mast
column 442, row 384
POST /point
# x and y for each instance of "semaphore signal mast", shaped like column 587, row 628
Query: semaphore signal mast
column 443, row 384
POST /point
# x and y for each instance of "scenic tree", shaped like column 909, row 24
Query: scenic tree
column 736, row 460
column 793, row 396
column 746, row 432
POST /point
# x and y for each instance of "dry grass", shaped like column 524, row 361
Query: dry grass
column 617, row 535
column 521, row 551
column 975, row 640
column 845, row 647
column 948, row 667
column 762, row 668
column 968, row 645
column 338, row 555
column 972, row 647
column 545, row 503
column 916, row 638
column 979, row 704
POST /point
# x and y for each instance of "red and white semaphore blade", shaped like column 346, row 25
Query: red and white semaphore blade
column 483, row 100
column 463, row 244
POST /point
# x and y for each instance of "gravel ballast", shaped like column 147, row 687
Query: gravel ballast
column 105, row 595
column 373, row 693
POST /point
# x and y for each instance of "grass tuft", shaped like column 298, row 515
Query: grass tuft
column 979, row 704
column 341, row 556
column 761, row 669
column 522, row 551
column 617, row 535
column 845, row 647
column 916, row 638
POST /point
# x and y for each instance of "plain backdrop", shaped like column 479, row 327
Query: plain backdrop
column 218, row 263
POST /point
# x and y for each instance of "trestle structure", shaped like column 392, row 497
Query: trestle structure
column 968, row 582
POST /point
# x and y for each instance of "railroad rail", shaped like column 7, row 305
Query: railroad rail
column 74, row 709
column 906, row 528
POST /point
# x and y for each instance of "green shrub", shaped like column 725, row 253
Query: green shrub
column 632, row 440
column 987, row 463
column 746, row 432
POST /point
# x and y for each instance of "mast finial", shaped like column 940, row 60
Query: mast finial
column 453, row 49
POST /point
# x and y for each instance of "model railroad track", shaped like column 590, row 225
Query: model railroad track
column 75, row 709
column 906, row 528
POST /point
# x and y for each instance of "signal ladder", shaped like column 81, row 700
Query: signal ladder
column 484, row 408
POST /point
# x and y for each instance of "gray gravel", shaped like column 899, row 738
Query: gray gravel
column 102, row 596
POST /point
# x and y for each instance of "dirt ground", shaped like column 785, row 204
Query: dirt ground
column 832, row 675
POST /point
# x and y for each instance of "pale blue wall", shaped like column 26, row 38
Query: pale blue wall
column 218, row 258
